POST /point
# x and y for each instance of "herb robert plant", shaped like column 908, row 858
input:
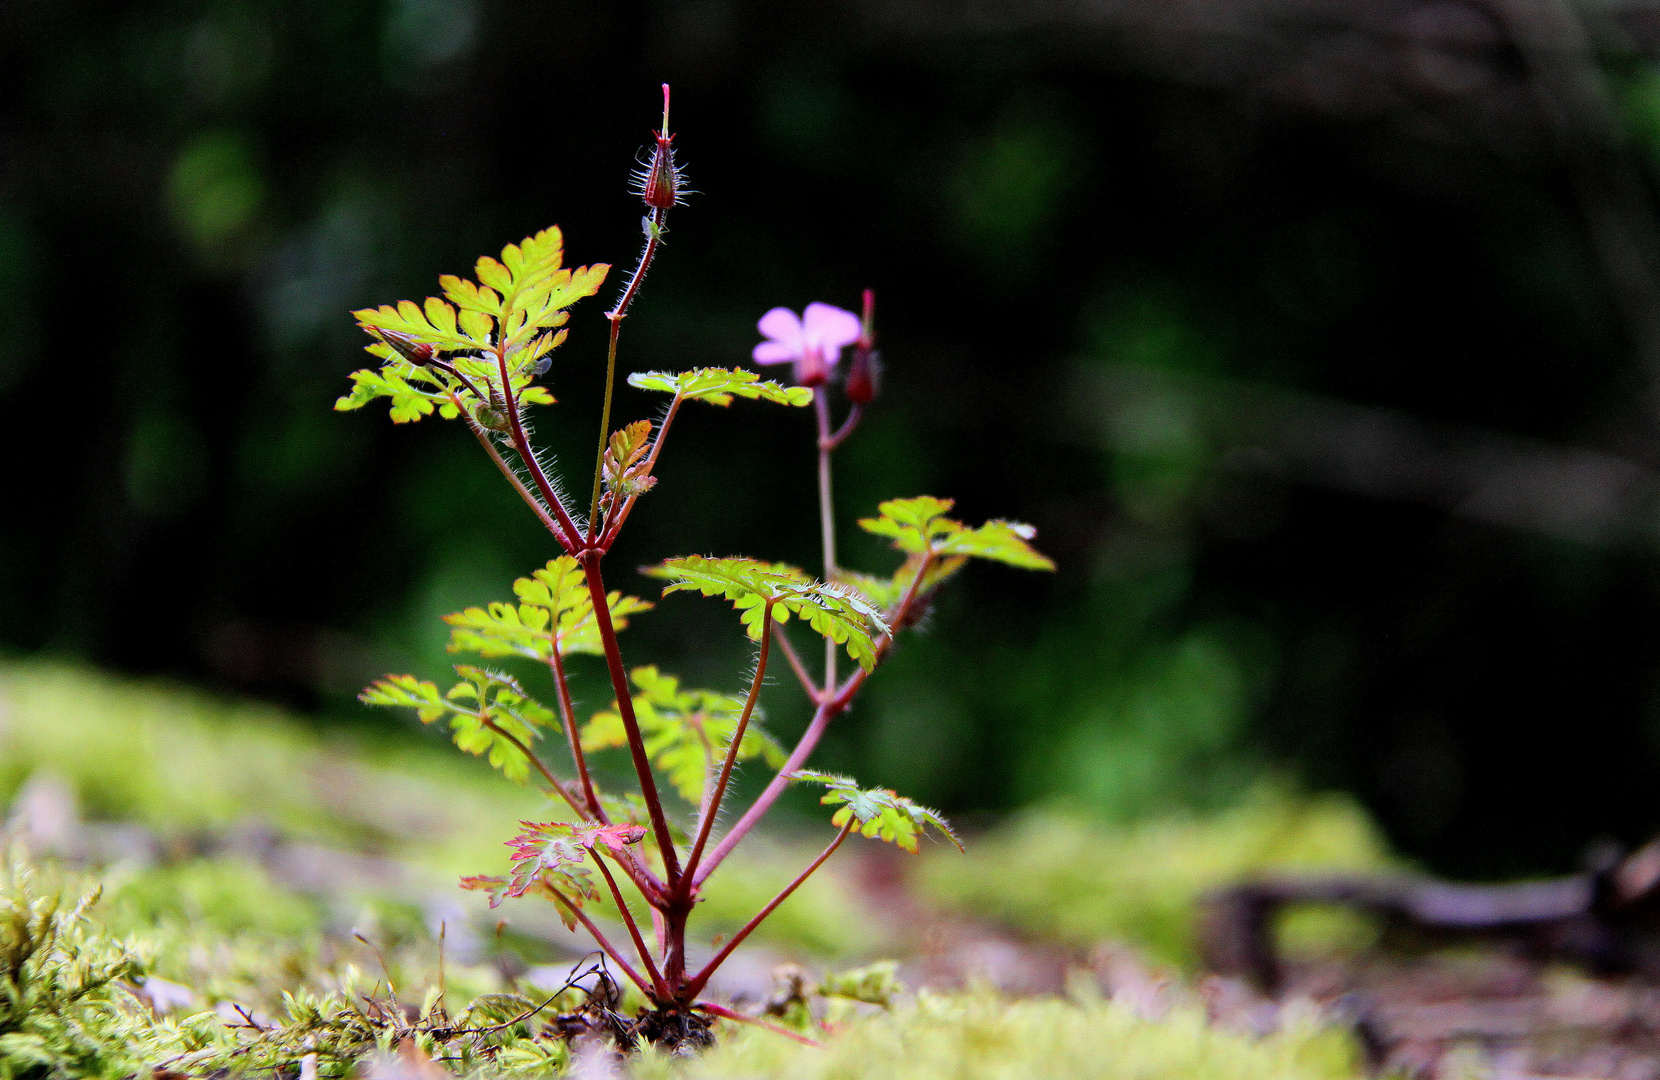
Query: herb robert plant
column 476, row 355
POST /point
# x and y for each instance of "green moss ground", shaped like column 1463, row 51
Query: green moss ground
column 216, row 921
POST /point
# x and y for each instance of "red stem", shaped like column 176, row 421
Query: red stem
column 723, row 1011
column 483, row 437
column 702, row 977
column 852, row 421
column 663, row 994
column 732, row 749
column 522, row 445
column 553, row 781
column 599, row 939
column 568, row 714
column 625, row 708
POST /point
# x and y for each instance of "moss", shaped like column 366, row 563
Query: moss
column 978, row 1036
column 1063, row 877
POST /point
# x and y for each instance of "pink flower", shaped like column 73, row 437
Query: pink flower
column 814, row 341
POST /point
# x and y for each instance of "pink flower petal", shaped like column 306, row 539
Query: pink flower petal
column 782, row 325
column 774, row 352
column 830, row 327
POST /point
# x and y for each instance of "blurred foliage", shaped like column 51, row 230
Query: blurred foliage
column 978, row 1037
column 1034, row 202
column 1060, row 876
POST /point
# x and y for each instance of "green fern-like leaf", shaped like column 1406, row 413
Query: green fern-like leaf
column 555, row 610
column 686, row 732
column 837, row 612
column 483, row 698
column 718, row 385
column 919, row 526
column 518, row 302
column 880, row 812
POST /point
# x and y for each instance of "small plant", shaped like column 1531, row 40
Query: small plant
column 476, row 355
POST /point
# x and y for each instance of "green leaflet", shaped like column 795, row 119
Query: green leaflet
column 920, row 526
column 481, row 696
column 686, row 732
column 558, row 591
column 519, row 300
column 627, row 471
column 718, row 385
column 835, row 611
column 879, row 811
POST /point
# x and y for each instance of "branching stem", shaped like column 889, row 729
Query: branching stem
column 554, row 782
column 800, row 669
column 569, row 538
column 732, row 749
column 631, row 725
column 633, row 929
column 730, row 1014
column 830, row 706
column 694, row 987
column 600, row 940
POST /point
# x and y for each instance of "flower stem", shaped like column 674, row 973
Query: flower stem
column 826, row 517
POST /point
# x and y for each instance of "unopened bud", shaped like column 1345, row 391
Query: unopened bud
column 659, row 181
column 492, row 416
column 419, row 353
column 864, row 377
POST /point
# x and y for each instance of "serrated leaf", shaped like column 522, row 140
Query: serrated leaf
column 880, row 812
column 626, row 470
column 686, row 732
column 481, row 696
column 718, row 385
column 837, row 612
column 550, row 856
column 398, row 380
column 919, row 526
column 555, row 609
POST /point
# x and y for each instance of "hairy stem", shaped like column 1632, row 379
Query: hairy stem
column 732, row 749
column 633, row 929
column 702, row 977
column 631, row 725
column 522, row 444
column 554, row 782
column 604, row 424
column 659, row 217
column 484, row 440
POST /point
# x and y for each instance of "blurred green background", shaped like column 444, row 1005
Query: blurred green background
column 1320, row 340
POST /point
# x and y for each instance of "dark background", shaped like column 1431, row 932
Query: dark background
column 1320, row 340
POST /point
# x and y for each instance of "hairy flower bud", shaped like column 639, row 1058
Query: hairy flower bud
column 418, row 353
column 863, row 377
column 659, row 181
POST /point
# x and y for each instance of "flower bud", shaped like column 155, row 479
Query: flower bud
column 659, row 182
column 864, row 377
column 419, row 353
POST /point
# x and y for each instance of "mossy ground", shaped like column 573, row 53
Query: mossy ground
column 247, row 862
